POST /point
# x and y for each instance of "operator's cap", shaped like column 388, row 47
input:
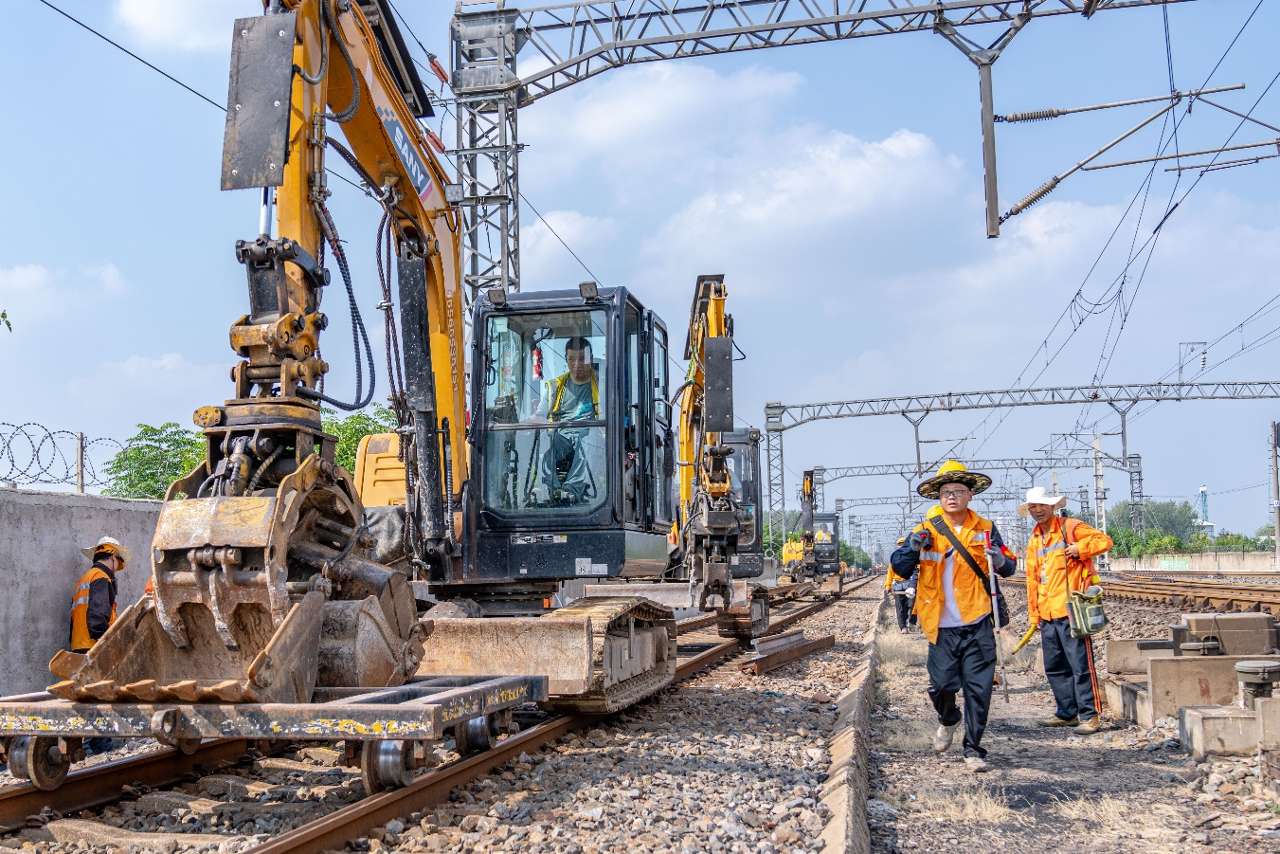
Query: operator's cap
column 110, row 545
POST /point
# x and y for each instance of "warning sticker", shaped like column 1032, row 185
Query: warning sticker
column 584, row 566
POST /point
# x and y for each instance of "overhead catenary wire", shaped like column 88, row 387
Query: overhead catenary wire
column 1043, row 347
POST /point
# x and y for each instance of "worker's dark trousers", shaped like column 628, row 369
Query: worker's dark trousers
column 902, row 605
column 1068, row 662
column 964, row 658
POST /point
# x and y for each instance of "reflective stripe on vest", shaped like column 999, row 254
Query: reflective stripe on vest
column 1053, row 548
column 562, row 381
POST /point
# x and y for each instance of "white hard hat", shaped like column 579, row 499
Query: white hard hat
column 106, row 544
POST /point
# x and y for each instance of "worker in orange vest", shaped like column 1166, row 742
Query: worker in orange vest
column 93, row 607
column 951, row 553
column 1059, row 561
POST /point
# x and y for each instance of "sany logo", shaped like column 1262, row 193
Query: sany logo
column 412, row 163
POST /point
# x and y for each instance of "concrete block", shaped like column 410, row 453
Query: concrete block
column 1218, row 730
column 1268, row 711
column 1202, row 680
column 41, row 534
column 1123, row 656
column 1127, row 698
column 1238, row 634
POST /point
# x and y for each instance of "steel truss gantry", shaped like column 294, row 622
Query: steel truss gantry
column 780, row 417
column 566, row 43
column 1031, row 466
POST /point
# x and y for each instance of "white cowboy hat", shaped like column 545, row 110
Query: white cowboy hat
column 106, row 544
column 1039, row 495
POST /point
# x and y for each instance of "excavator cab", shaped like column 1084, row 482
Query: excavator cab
column 573, row 461
column 744, row 470
column 826, row 543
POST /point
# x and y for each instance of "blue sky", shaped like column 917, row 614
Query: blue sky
column 837, row 186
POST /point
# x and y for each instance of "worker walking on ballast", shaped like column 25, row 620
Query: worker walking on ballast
column 1060, row 561
column 93, row 607
column 954, row 599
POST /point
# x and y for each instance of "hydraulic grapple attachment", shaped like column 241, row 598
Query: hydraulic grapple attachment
column 258, row 598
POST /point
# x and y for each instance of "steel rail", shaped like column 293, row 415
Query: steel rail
column 1198, row 594
column 99, row 785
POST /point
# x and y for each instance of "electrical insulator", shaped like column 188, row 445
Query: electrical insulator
column 1204, row 359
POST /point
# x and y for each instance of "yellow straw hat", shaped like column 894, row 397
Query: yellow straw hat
column 953, row 471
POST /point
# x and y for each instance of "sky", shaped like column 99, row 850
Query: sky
column 838, row 187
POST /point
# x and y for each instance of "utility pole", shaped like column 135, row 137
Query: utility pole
column 1275, row 487
column 1099, row 496
column 80, row 463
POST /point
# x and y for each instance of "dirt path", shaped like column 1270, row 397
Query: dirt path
column 1124, row 790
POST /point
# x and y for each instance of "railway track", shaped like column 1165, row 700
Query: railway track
column 1197, row 595
column 101, row 785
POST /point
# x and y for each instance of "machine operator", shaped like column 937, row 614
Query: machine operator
column 572, row 396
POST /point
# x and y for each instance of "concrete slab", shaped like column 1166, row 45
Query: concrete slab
column 1124, row 657
column 1202, row 680
column 1218, row 731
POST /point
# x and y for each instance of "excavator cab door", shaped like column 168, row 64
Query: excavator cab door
column 661, row 464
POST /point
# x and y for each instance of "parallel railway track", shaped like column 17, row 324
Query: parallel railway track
column 103, row 784
column 1197, row 595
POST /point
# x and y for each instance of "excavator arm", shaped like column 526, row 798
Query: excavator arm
column 262, row 592
column 710, row 516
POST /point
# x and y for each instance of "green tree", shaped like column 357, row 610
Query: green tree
column 153, row 458
column 4, row 320
column 352, row 428
column 854, row 556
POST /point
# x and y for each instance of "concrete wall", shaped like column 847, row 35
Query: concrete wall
column 41, row 534
column 1224, row 562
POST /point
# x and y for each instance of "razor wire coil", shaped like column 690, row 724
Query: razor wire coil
column 33, row 454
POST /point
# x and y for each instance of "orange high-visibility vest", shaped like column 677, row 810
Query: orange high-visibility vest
column 971, row 597
column 80, row 639
column 1051, row 574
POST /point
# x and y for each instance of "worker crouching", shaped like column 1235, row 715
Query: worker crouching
column 1060, row 561
column 951, row 553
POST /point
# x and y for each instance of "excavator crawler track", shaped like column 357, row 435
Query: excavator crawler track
column 600, row 654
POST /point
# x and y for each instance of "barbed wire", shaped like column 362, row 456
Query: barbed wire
column 31, row 453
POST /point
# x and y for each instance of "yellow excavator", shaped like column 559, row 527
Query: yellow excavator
column 711, row 516
column 287, row 593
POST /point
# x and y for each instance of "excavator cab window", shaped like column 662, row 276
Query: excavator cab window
column 545, row 398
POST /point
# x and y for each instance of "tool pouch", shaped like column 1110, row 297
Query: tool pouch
column 1084, row 614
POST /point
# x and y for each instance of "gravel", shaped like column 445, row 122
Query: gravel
column 722, row 762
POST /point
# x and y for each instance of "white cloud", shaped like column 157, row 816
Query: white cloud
column 108, row 277
column 198, row 25
column 662, row 120
column 174, row 385
column 546, row 264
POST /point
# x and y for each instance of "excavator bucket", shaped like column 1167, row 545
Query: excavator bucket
column 136, row 660
column 599, row 654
